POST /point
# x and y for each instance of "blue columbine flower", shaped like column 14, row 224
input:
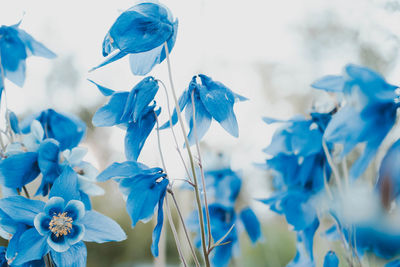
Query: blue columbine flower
column 212, row 99
column 15, row 46
column 141, row 31
column 371, row 107
column 130, row 110
column 145, row 189
column 65, row 128
column 59, row 226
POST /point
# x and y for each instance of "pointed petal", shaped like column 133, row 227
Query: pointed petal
column 203, row 120
column 100, row 228
column 111, row 113
column 75, row 256
column 251, row 224
column 157, row 230
column 32, row 246
column 124, row 170
column 110, row 59
column 66, row 186
column 330, row 83
column 104, row 90
column 35, row 47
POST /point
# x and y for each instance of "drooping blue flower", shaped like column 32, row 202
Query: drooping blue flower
column 212, row 99
column 331, row 260
column 15, row 46
column 59, row 226
column 145, row 189
column 67, row 129
column 389, row 174
column 141, row 31
column 371, row 105
column 131, row 110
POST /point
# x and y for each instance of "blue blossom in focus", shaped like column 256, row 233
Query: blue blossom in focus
column 212, row 99
column 59, row 226
column 15, row 46
column 133, row 111
column 144, row 189
column 141, row 31
column 371, row 105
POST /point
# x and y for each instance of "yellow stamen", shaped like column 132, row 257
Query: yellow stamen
column 61, row 224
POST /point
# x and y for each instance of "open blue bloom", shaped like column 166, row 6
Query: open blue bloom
column 59, row 226
column 212, row 99
column 66, row 129
column 371, row 107
column 145, row 189
column 389, row 175
column 331, row 260
column 142, row 32
column 131, row 110
column 15, row 46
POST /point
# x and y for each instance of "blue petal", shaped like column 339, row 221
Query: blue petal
column 158, row 228
column 13, row 119
column 32, row 246
column 105, row 91
column 75, row 256
column 111, row 113
column 58, row 243
column 13, row 244
column 142, row 28
column 330, row 83
column 19, row 169
column 75, row 209
column 219, row 100
column 137, row 133
column 54, row 205
column 203, row 119
column 389, row 171
column 21, row 209
column 100, row 228
column 143, row 63
column 42, row 223
column 395, row 263
column 110, row 59
column 251, row 224
column 76, row 234
column 331, row 260
column 48, row 159
column 124, row 170
column 145, row 92
column 144, row 197
column 66, row 186
column 35, row 47
column 222, row 255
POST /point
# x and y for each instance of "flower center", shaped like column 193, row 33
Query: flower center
column 61, row 224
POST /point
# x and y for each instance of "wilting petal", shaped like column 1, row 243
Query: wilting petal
column 111, row 113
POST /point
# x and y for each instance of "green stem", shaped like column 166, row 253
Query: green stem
column 197, row 191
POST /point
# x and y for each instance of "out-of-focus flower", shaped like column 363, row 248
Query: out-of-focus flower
column 331, row 260
column 144, row 188
column 132, row 111
column 15, row 46
column 212, row 99
column 67, row 129
column 59, row 226
column 371, row 105
column 141, row 31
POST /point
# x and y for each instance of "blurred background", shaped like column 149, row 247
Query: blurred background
column 269, row 51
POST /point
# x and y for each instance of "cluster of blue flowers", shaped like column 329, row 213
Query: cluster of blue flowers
column 304, row 153
column 45, row 146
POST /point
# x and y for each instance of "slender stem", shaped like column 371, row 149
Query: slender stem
column 197, row 191
column 48, row 261
column 173, row 228
column 176, row 205
column 332, row 165
column 184, row 227
column 26, row 192
column 172, row 129
column 345, row 173
column 203, row 180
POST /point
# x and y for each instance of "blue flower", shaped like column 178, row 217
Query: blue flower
column 131, row 110
column 15, row 46
column 371, row 107
column 212, row 99
column 395, row 263
column 66, row 129
column 331, row 260
column 145, row 189
column 141, row 31
column 59, row 226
